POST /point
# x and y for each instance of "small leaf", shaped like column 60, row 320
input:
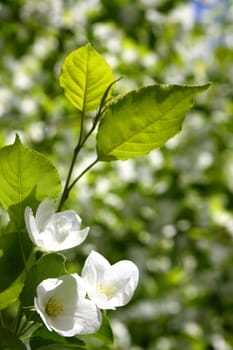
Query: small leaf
column 143, row 120
column 48, row 266
column 26, row 177
column 8, row 341
column 44, row 339
column 85, row 76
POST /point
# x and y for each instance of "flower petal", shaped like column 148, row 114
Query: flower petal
column 81, row 286
column 101, row 301
column 44, row 291
column 45, row 242
column 44, row 211
column 87, row 317
column 31, row 225
column 123, row 277
column 63, row 231
column 76, row 315
column 94, row 269
column 41, row 311
column 66, row 291
column 63, row 325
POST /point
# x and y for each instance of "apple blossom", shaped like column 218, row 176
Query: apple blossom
column 109, row 286
column 52, row 231
column 62, row 306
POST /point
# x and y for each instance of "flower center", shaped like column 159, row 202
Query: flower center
column 107, row 290
column 53, row 307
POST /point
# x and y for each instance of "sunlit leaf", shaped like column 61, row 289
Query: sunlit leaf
column 144, row 120
column 26, row 177
column 85, row 76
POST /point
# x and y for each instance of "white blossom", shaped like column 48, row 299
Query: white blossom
column 62, row 306
column 52, row 231
column 109, row 286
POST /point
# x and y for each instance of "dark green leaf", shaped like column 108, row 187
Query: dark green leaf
column 105, row 332
column 12, row 267
column 48, row 266
column 11, row 262
column 43, row 339
column 8, row 341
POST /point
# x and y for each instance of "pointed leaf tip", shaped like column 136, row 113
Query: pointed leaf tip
column 17, row 138
column 85, row 76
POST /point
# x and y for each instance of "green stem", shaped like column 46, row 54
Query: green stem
column 82, row 140
column 1, row 320
column 22, row 250
column 25, row 327
column 19, row 311
column 18, row 319
column 65, row 192
column 69, row 187
column 82, row 173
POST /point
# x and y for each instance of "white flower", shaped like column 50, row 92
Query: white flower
column 52, row 231
column 109, row 286
column 62, row 305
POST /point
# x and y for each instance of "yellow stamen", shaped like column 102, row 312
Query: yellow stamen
column 107, row 290
column 53, row 307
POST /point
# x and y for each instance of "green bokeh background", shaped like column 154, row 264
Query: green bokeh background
column 170, row 212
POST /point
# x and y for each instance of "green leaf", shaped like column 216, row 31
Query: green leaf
column 11, row 294
column 11, row 262
column 143, row 120
column 8, row 341
column 12, row 267
column 43, row 339
column 85, row 76
column 105, row 333
column 26, row 177
column 48, row 266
